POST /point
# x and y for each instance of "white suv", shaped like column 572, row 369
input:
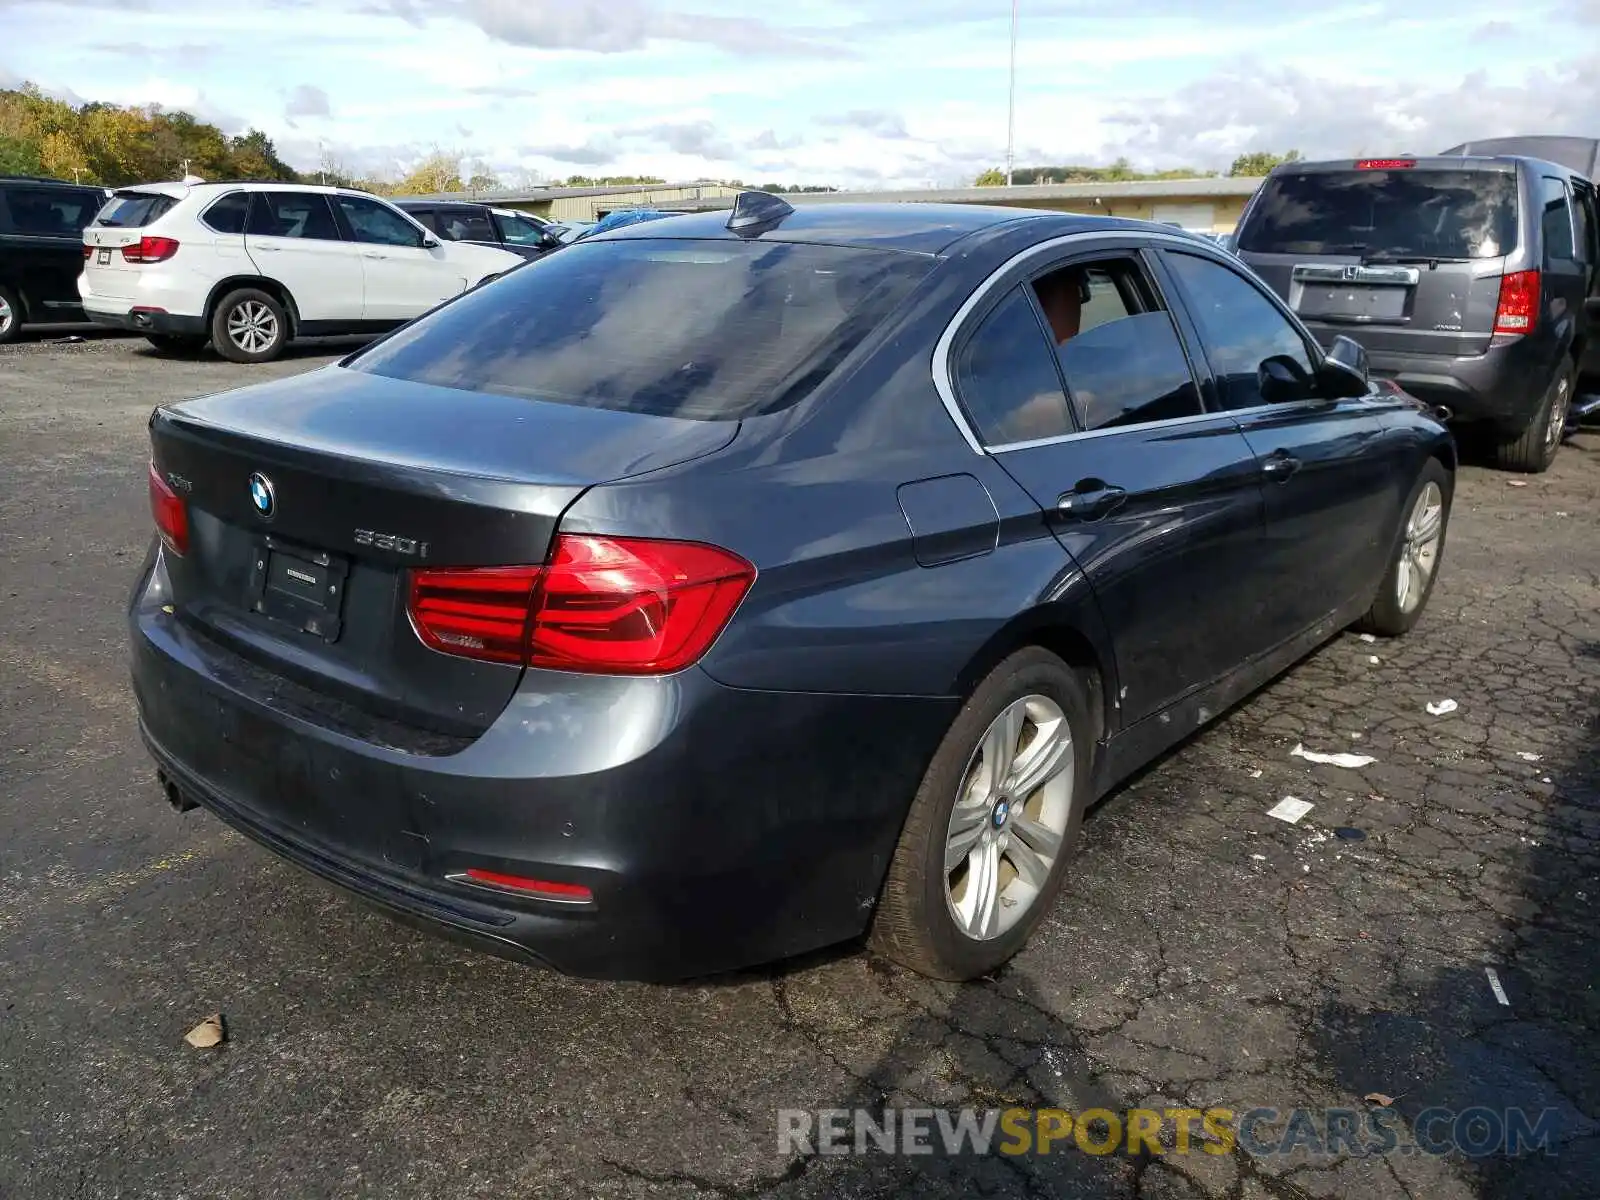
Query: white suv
column 251, row 265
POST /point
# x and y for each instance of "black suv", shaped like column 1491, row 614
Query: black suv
column 1465, row 275
column 469, row 221
column 41, row 250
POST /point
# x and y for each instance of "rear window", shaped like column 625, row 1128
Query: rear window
column 1385, row 213
column 132, row 210
column 708, row 330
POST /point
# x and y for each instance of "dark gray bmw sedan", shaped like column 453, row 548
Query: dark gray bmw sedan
column 733, row 585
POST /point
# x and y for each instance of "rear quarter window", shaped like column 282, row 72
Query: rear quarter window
column 133, row 210
column 1459, row 214
column 707, row 330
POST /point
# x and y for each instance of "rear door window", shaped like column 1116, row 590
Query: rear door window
column 1008, row 383
column 466, row 225
column 292, row 215
column 1241, row 330
column 708, row 330
column 1451, row 214
column 1555, row 220
column 1117, row 346
column 50, row 212
column 134, row 209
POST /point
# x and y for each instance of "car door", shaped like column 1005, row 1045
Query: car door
column 1158, row 501
column 1586, row 237
column 293, row 238
column 403, row 277
column 1565, row 273
column 45, row 246
column 1330, row 483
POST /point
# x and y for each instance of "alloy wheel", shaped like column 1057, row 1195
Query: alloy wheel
column 1010, row 818
column 1419, row 553
column 8, row 316
column 1559, row 405
column 252, row 326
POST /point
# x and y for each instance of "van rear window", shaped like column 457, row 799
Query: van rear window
column 134, row 210
column 709, row 330
column 1385, row 213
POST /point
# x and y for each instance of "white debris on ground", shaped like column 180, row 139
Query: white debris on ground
column 1342, row 759
column 1290, row 809
column 1441, row 707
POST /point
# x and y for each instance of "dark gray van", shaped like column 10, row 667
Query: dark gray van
column 1465, row 276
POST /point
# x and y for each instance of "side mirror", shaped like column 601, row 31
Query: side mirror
column 429, row 242
column 1344, row 369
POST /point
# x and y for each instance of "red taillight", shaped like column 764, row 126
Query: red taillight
column 87, row 250
column 547, row 888
column 1385, row 164
column 479, row 613
column 170, row 513
column 627, row 606
column 1518, row 311
column 150, row 250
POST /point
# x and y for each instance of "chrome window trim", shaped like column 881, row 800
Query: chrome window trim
column 943, row 372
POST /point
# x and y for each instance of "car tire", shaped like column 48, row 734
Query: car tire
column 249, row 326
column 174, row 343
column 10, row 315
column 928, row 915
column 1534, row 449
column 1417, row 554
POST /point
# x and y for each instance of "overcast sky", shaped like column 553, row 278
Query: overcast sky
column 902, row 92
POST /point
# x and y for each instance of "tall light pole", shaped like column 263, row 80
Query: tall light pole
column 1011, row 101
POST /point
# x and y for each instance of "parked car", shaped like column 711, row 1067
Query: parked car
column 726, row 586
column 483, row 225
column 1466, row 278
column 41, row 250
column 253, row 265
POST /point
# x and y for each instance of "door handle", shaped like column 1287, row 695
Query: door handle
column 1090, row 499
column 372, row 254
column 264, row 249
column 1280, row 465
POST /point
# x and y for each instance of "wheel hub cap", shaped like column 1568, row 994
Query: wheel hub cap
column 1419, row 553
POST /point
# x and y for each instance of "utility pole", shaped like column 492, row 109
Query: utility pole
column 1011, row 102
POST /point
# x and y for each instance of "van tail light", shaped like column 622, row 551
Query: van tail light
column 603, row 605
column 1518, row 311
column 150, row 250
column 170, row 513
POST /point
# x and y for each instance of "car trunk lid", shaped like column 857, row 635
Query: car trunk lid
column 1405, row 256
column 310, row 499
column 119, row 225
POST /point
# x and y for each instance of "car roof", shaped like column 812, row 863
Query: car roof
column 1428, row 162
column 179, row 189
column 887, row 225
column 42, row 181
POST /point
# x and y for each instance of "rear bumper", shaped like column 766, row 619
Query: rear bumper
column 146, row 321
column 1504, row 384
column 716, row 828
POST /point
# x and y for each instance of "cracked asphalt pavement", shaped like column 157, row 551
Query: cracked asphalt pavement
column 1204, row 954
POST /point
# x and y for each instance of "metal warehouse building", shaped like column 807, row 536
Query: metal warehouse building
column 1213, row 204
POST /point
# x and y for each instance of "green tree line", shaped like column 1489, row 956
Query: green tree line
column 1253, row 164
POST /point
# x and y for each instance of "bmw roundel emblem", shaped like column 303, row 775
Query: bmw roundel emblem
column 262, row 497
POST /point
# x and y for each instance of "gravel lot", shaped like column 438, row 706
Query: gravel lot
column 1206, row 955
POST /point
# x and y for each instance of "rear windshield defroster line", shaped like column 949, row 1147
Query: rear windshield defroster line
column 1464, row 214
column 706, row 330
